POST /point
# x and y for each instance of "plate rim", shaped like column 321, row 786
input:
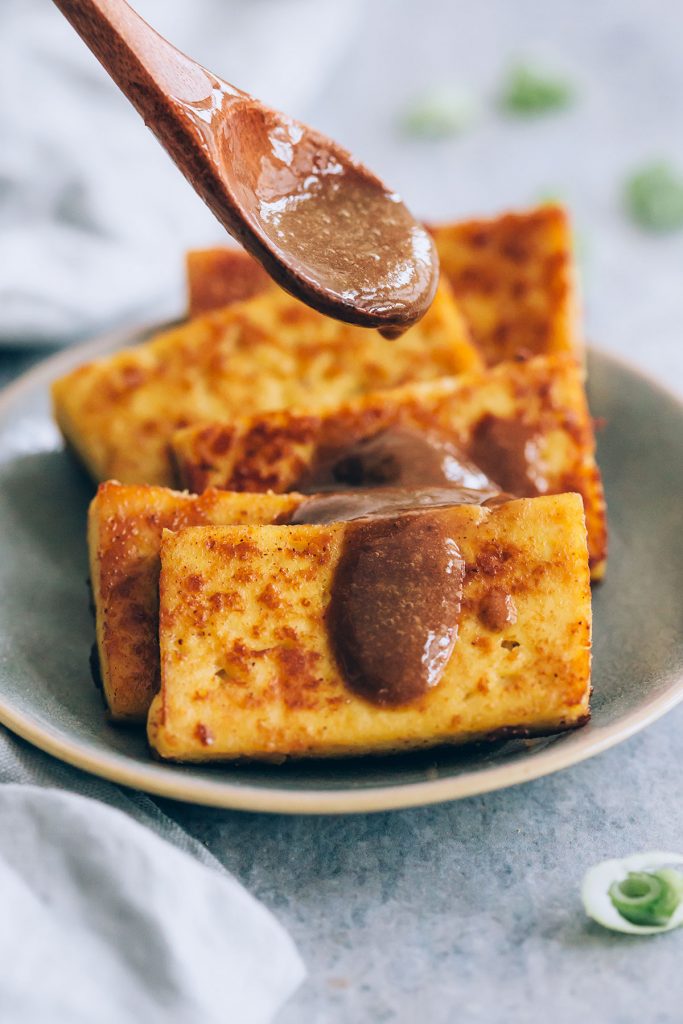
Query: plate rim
column 166, row 780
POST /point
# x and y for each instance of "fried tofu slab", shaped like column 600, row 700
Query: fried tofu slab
column 218, row 277
column 247, row 668
column 270, row 352
column 513, row 277
column 125, row 524
column 526, row 424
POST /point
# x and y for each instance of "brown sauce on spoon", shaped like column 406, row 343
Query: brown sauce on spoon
column 360, row 244
column 344, row 236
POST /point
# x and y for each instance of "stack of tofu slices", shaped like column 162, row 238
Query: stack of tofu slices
column 212, row 605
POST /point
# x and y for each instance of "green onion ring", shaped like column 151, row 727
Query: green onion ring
column 642, row 894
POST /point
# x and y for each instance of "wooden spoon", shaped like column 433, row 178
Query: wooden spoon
column 322, row 225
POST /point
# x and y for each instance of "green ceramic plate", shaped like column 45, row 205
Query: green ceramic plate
column 46, row 694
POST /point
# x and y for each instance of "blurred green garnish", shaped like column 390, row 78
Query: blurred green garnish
column 439, row 112
column 549, row 197
column 639, row 895
column 528, row 91
column 654, row 197
column 648, row 898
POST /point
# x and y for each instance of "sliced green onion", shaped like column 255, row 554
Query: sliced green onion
column 654, row 197
column 528, row 91
column 640, row 895
column 440, row 112
column 645, row 898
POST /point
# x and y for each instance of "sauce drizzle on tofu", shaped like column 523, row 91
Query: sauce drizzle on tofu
column 395, row 605
column 383, row 502
column 507, row 450
column 395, row 457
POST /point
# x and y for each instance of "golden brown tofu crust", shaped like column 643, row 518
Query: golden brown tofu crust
column 125, row 524
column 218, row 277
column 271, row 352
column 248, row 671
column 274, row 451
column 513, row 277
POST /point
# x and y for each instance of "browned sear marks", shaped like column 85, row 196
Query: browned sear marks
column 204, row 735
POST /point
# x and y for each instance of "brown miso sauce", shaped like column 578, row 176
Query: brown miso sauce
column 395, row 604
column 497, row 610
column 329, row 219
column 397, row 590
column 395, row 457
column 506, row 450
column 358, row 242
column 386, row 502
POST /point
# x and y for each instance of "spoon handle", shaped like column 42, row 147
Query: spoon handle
column 144, row 65
column 173, row 94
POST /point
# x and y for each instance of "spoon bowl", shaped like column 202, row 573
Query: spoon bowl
column 341, row 233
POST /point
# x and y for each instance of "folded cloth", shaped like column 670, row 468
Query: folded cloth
column 105, row 922
column 94, row 218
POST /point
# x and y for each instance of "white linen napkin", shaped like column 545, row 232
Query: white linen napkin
column 94, row 218
column 103, row 922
